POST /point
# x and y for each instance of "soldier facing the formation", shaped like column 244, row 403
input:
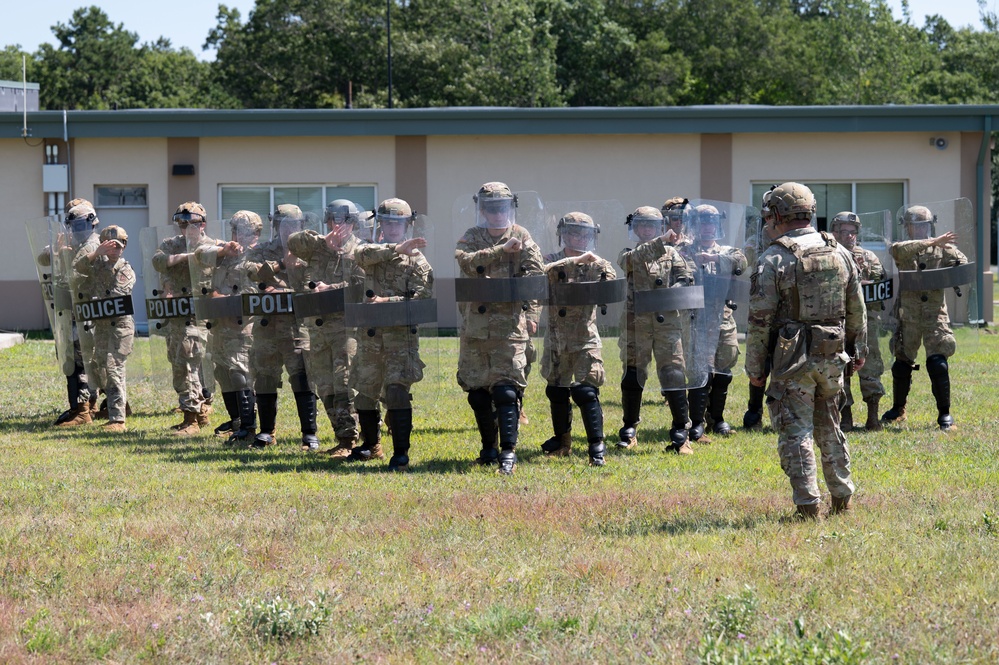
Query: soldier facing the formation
column 806, row 292
column 653, row 264
column 572, row 362
column 494, row 335
column 922, row 315
column 846, row 228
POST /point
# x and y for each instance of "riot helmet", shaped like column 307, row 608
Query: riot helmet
column 495, row 206
column 645, row 224
column 840, row 228
column 245, row 227
column 393, row 221
column 792, row 201
column 342, row 211
column 676, row 213
column 708, row 224
column 287, row 219
column 81, row 220
column 577, row 231
column 918, row 223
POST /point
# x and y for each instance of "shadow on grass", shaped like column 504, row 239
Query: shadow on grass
column 35, row 423
column 681, row 525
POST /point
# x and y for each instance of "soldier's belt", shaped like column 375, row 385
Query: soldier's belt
column 62, row 298
column 666, row 300
column 105, row 308
column 268, row 304
column 319, row 303
column 512, row 289
column 226, row 307
column 879, row 291
column 603, row 292
column 936, row 278
column 170, row 308
column 390, row 314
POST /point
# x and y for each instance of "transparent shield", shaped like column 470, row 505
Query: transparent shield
column 71, row 248
column 45, row 237
column 499, row 293
column 939, row 280
column 585, row 295
column 394, row 320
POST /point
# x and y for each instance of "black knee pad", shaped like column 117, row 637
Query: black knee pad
column 397, row 396
column 630, row 380
column 505, row 394
column 238, row 380
column 557, row 394
column 901, row 370
column 299, row 382
column 673, row 376
column 479, row 399
column 584, row 394
column 936, row 366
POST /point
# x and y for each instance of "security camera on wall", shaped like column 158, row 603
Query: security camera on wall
column 939, row 142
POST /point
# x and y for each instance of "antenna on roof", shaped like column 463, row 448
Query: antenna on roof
column 24, row 91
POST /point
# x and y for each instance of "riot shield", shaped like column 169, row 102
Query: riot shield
column 939, row 280
column 46, row 238
column 394, row 320
column 715, row 254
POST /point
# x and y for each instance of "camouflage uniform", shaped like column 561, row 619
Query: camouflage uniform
column 922, row 320
column 729, row 262
column 806, row 289
column 331, row 346
column 653, row 265
column 186, row 340
column 282, row 342
column 493, row 341
column 113, row 337
column 871, row 388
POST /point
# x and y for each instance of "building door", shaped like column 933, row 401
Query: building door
column 127, row 207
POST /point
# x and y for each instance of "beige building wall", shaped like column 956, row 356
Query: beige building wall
column 143, row 161
column 22, row 197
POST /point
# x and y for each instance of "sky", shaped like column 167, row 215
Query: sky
column 187, row 22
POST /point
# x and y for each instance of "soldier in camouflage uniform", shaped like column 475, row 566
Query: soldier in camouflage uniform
column 922, row 315
column 704, row 254
column 282, row 342
column 676, row 213
column 388, row 358
column 108, row 275
column 186, row 341
column 330, row 265
column 653, row 263
column 572, row 361
column 494, row 336
column 755, row 246
column 229, row 343
column 845, row 228
column 81, row 223
column 806, row 289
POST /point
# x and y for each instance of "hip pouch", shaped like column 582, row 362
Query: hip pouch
column 826, row 341
column 790, row 354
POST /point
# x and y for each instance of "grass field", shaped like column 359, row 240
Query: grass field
column 141, row 547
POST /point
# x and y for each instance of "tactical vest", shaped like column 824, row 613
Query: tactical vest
column 818, row 295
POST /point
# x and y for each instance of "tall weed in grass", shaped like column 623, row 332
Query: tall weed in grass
column 145, row 547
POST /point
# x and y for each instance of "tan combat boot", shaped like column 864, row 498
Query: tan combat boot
column 190, row 425
column 343, row 448
column 114, row 427
column 81, row 416
column 685, row 448
column 873, row 422
column 839, row 505
column 806, row 513
column 558, row 446
column 203, row 415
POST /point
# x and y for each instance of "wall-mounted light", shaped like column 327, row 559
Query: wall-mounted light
column 939, row 142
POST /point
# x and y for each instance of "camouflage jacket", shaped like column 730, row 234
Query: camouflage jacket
column 653, row 265
column 773, row 296
column 730, row 261
column 921, row 254
column 270, row 265
column 175, row 280
column 336, row 268
column 395, row 276
column 574, row 326
column 480, row 255
column 108, row 281
column 870, row 269
column 223, row 275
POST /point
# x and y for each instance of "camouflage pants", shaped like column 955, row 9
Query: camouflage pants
column 805, row 410
column 870, row 374
column 389, row 357
column 279, row 344
column 565, row 367
column 113, row 345
column 645, row 339
column 186, row 352
column 88, row 352
column 935, row 335
column 229, row 345
column 83, row 381
column 332, row 350
column 727, row 354
column 484, row 363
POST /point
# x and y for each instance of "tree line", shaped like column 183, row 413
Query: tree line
column 528, row 53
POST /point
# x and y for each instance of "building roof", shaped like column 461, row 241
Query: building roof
column 734, row 119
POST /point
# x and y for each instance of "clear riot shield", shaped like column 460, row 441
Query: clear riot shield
column 498, row 295
column 654, row 330
column 717, row 236
column 938, row 279
column 756, row 242
column 394, row 318
column 585, row 298
column 46, row 237
column 73, row 245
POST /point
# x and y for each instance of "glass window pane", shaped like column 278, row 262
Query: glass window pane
column 874, row 196
column 829, row 200
column 256, row 199
column 362, row 195
column 121, row 197
column 309, row 199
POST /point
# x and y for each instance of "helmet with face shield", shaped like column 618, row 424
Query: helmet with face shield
column 645, row 224
column 676, row 213
column 918, row 223
column 577, row 231
column 495, row 206
column 393, row 221
column 708, row 223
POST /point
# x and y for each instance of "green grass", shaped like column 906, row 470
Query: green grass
column 142, row 547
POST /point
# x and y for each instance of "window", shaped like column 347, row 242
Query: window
column 263, row 199
column 121, row 197
column 858, row 197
